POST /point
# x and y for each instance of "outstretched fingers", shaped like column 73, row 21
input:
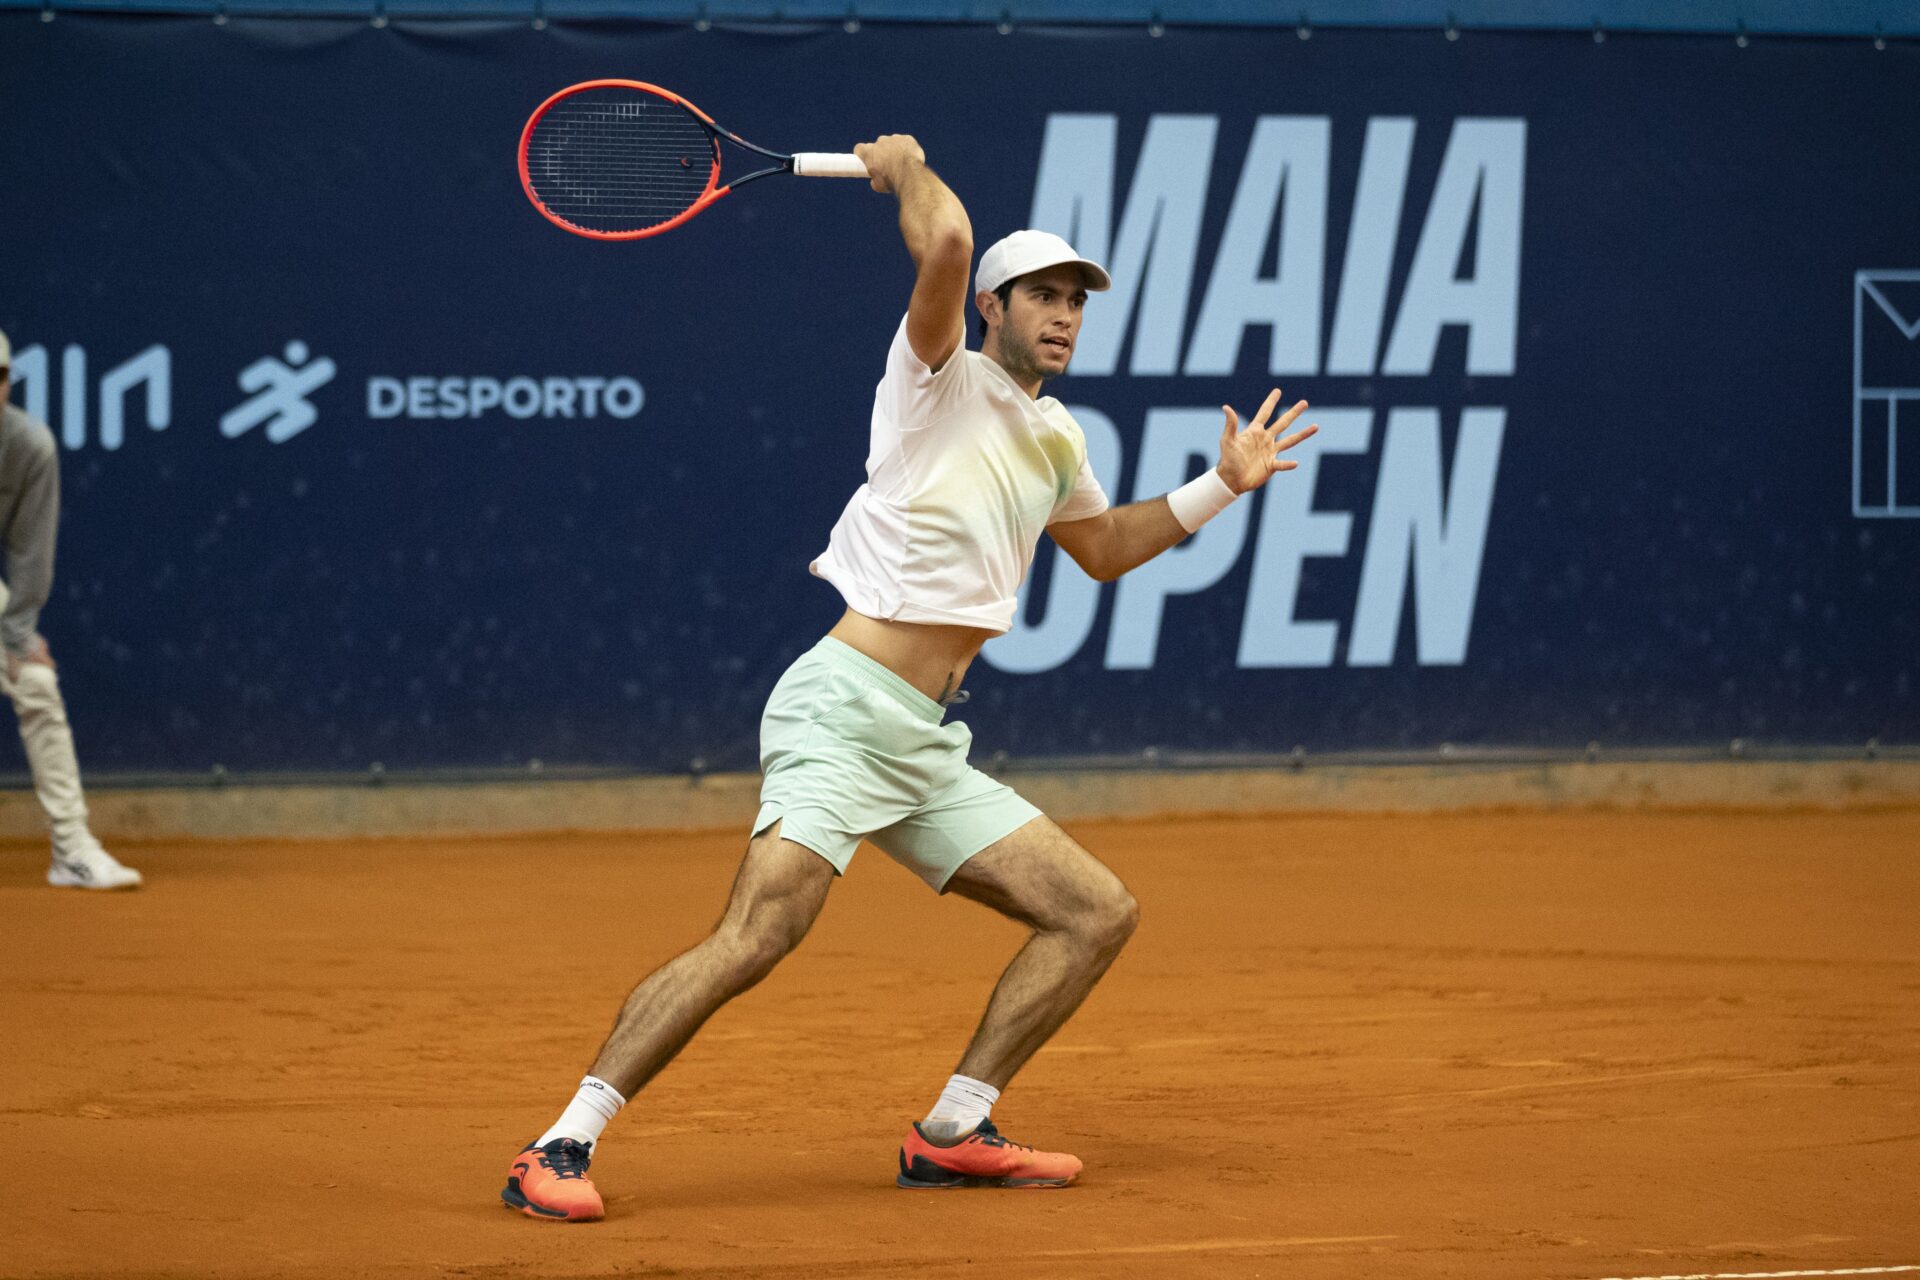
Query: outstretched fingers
column 1259, row 422
column 1287, row 419
column 1266, row 409
column 1294, row 439
column 1277, row 463
column 1269, row 435
column 1232, row 428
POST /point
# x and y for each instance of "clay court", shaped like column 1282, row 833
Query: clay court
column 1495, row 1045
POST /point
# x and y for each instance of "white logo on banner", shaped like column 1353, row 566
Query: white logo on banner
column 279, row 395
column 281, row 388
column 151, row 370
column 1427, row 530
column 1886, row 317
column 520, row 397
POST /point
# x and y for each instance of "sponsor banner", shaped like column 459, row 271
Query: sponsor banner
column 1609, row 344
column 517, row 397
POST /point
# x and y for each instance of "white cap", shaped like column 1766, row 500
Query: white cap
column 1026, row 251
column 6, row 352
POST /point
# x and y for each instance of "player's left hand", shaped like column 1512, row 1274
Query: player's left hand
column 1248, row 458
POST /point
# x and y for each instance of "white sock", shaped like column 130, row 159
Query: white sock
column 595, row 1103
column 963, row 1104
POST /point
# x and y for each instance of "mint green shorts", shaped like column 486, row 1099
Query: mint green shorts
column 848, row 750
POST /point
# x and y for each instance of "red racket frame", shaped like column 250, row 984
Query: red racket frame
column 714, row 133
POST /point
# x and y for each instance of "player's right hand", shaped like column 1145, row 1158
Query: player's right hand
column 886, row 156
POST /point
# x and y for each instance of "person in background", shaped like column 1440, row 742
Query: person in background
column 30, row 521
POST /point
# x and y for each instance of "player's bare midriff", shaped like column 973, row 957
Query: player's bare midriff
column 932, row 658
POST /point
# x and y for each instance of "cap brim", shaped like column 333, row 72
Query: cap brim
column 1098, row 281
column 1094, row 275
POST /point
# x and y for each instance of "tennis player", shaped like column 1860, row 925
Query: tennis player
column 967, row 465
column 29, row 519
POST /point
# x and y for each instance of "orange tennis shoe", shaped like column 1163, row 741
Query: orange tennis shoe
column 551, row 1182
column 981, row 1159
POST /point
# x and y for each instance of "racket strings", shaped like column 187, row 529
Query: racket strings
column 616, row 159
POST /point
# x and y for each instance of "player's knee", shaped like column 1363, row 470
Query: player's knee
column 753, row 951
column 1125, row 918
column 1112, row 920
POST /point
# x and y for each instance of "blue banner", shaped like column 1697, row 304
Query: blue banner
column 1615, row 348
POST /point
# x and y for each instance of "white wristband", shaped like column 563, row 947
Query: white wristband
column 1200, row 500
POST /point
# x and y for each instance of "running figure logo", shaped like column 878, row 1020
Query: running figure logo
column 281, row 389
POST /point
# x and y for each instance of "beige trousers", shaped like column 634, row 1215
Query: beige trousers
column 49, row 742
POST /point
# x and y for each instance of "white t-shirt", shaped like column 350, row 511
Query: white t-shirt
column 964, row 473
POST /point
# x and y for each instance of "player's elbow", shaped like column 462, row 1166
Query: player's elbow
column 949, row 242
column 1092, row 548
column 1101, row 565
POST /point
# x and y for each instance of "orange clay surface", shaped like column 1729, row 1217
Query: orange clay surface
column 1484, row 1046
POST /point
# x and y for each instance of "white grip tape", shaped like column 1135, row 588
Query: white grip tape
column 828, row 164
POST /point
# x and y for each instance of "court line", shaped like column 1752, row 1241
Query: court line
column 1204, row 1246
column 1772, row 1275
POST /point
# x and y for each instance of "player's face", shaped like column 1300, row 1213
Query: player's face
column 1042, row 322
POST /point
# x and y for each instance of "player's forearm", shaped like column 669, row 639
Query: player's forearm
column 933, row 222
column 1139, row 532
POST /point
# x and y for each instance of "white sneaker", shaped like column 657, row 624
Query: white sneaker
column 83, row 864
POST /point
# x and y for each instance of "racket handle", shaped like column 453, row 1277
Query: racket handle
column 828, row 164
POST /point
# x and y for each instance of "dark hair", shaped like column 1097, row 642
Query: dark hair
column 1005, row 294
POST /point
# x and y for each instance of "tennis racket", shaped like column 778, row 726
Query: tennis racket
column 623, row 160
